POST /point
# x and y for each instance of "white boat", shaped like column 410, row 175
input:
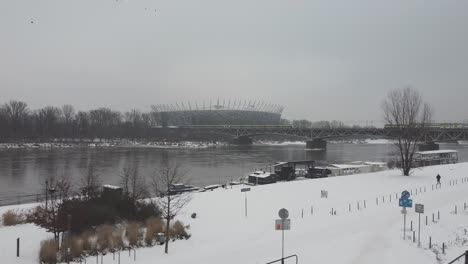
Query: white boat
column 262, row 177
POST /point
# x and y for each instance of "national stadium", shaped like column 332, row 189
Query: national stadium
column 236, row 112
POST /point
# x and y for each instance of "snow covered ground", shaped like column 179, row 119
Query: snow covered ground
column 222, row 234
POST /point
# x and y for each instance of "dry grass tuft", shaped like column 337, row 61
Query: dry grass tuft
column 154, row 225
column 105, row 237
column 179, row 231
column 48, row 252
column 12, row 218
column 134, row 234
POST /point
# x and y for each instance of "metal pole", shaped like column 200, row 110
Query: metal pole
column 17, row 247
column 282, row 242
column 245, row 204
column 69, row 239
column 419, row 231
column 404, row 226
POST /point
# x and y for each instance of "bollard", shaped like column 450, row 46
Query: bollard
column 438, row 215
column 443, row 248
column 426, row 219
column 455, row 209
column 312, row 210
column 364, row 204
column 433, row 218
column 411, row 226
column 358, row 206
column 414, row 236
column 350, row 207
column 17, row 247
column 464, row 206
column 390, row 198
column 383, row 199
column 302, row 213
column 430, row 242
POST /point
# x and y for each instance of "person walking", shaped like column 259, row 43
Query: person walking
column 438, row 179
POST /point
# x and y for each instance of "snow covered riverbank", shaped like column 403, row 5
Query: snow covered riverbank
column 109, row 144
column 222, row 234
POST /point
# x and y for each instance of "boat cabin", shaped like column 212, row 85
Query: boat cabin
column 435, row 157
column 262, row 177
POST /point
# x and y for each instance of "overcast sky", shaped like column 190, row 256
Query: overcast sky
column 319, row 59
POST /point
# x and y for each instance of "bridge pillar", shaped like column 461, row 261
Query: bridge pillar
column 428, row 146
column 316, row 144
column 242, row 140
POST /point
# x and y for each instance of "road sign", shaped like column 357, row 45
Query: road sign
column 245, row 190
column 405, row 195
column 419, row 208
column 283, row 224
column 283, row 213
column 406, row 203
column 323, row 194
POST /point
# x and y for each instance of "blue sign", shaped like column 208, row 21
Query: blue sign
column 406, row 203
column 405, row 195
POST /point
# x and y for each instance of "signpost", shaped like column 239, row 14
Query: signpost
column 419, row 208
column 245, row 190
column 283, row 224
column 405, row 202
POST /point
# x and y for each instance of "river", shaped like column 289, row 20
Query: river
column 25, row 171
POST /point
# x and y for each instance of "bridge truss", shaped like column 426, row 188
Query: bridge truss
column 430, row 135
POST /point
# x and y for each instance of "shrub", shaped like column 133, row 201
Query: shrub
column 117, row 239
column 179, row 231
column 154, row 225
column 133, row 234
column 76, row 247
column 86, row 241
column 12, row 218
column 105, row 237
column 48, row 252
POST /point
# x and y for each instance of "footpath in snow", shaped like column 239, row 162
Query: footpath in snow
column 371, row 234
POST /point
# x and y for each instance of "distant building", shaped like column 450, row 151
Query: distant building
column 227, row 113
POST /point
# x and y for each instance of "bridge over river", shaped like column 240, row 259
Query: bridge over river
column 316, row 137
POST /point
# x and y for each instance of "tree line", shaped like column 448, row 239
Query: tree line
column 19, row 123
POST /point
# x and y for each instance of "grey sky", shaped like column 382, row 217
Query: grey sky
column 320, row 59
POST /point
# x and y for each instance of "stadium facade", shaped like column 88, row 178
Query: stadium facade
column 234, row 112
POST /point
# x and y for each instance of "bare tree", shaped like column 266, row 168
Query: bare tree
column 47, row 215
column 15, row 113
column 170, row 203
column 406, row 113
column 90, row 183
column 133, row 184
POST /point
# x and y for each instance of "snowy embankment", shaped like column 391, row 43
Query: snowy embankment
column 110, row 144
column 222, row 234
column 300, row 143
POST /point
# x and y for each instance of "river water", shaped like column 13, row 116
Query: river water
column 25, row 171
